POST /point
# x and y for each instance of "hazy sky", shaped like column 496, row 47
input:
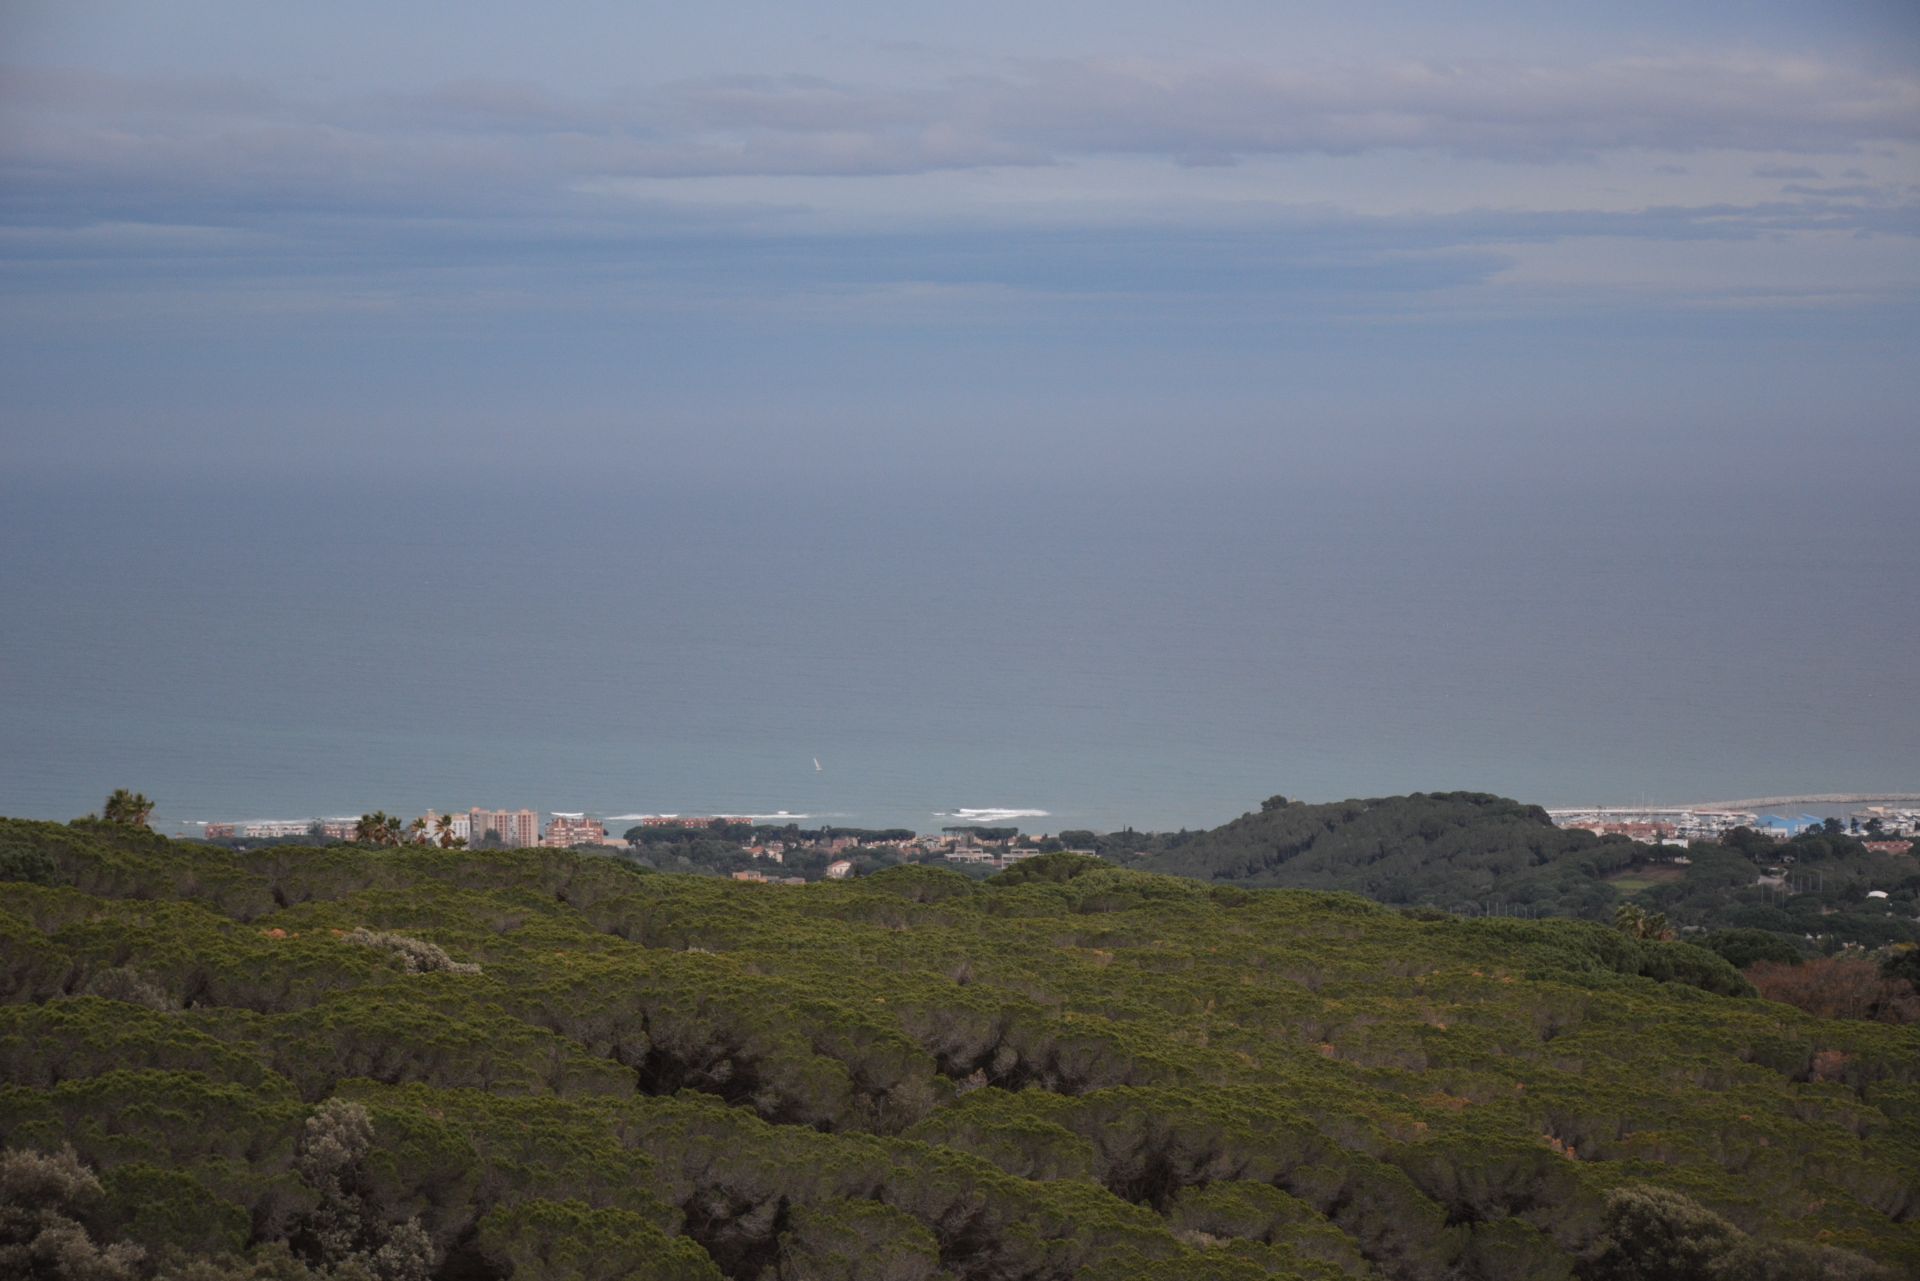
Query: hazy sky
column 1101, row 239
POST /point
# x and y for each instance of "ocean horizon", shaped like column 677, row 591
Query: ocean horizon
column 1057, row 657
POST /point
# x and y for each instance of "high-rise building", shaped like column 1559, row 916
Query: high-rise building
column 519, row 829
column 277, row 827
column 568, row 830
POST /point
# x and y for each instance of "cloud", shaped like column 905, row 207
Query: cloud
column 1786, row 171
column 1292, row 262
column 85, row 136
column 1511, row 110
column 1066, row 107
column 228, row 197
column 1840, row 191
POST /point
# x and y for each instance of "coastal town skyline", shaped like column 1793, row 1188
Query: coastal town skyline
column 1897, row 811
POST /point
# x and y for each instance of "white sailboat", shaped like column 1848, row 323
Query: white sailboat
column 816, row 764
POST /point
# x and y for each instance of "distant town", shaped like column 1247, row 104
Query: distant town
column 778, row 849
column 1885, row 829
column 775, row 844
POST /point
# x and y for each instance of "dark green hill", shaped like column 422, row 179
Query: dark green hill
column 1476, row 854
column 359, row 1064
column 1441, row 848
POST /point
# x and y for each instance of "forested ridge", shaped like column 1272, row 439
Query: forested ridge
column 1477, row 853
column 382, row 1064
column 1427, row 847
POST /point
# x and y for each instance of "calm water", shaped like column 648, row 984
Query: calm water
column 1157, row 659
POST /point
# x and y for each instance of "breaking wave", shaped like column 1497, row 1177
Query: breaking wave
column 775, row 816
column 989, row 815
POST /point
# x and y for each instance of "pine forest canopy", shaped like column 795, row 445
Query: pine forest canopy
column 299, row 1062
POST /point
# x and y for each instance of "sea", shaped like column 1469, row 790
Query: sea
column 906, row 651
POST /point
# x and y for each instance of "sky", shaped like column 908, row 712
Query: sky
column 1113, row 243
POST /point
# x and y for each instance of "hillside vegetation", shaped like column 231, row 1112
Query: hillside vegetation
column 1476, row 853
column 365, row 1064
column 1428, row 847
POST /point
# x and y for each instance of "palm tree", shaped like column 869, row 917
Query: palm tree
column 443, row 827
column 127, row 807
column 377, row 828
column 417, row 832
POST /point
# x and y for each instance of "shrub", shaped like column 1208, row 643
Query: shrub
column 122, row 984
column 1656, row 1235
column 347, row 1233
column 1742, row 947
column 273, row 1262
column 1053, row 869
column 1651, row 1234
column 1794, row 1261
column 1838, row 987
column 41, row 1196
column 854, row 1241
column 568, row 1241
column 26, row 865
column 1902, row 962
column 416, row 956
